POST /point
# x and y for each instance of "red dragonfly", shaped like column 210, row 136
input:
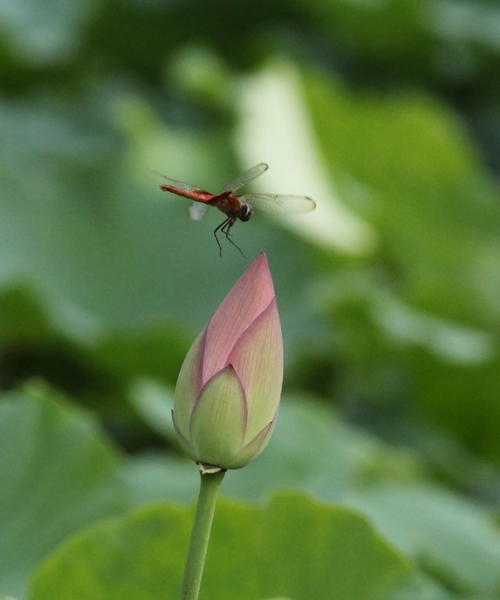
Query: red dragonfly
column 236, row 206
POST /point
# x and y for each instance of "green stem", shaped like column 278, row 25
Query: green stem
column 200, row 535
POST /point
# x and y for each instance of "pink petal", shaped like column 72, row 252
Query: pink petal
column 249, row 297
column 258, row 360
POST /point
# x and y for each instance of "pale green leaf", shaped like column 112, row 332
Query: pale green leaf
column 292, row 547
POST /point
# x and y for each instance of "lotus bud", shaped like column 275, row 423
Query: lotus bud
column 228, row 391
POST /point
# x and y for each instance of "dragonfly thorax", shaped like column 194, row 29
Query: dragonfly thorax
column 246, row 212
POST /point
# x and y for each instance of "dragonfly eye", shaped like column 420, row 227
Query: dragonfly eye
column 246, row 212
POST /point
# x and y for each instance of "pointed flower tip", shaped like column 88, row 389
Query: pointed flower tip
column 256, row 284
column 243, row 341
column 248, row 298
column 259, row 272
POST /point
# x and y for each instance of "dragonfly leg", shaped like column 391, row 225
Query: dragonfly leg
column 218, row 228
column 225, row 228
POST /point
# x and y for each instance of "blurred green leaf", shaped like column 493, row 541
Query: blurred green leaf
column 292, row 547
column 392, row 30
column 393, row 352
column 32, row 345
column 452, row 539
column 421, row 587
column 427, row 312
column 154, row 404
column 405, row 162
column 438, row 40
column 58, row 476
column 45, row 33
column 155, row 351
column 424, row 189
column 152, row 476
column 462, row 399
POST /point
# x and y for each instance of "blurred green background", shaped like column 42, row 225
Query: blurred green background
column 388, row 115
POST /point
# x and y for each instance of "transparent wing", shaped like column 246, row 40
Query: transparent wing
column 197, row 210
column 179, row 184
column 279, row 203
column 245, row 177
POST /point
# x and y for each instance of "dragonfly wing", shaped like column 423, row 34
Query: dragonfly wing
column 197, row 210
column 279, row 203
column 244, row 178
column 179, row 184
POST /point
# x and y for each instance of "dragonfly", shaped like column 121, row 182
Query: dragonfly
column 236, row 206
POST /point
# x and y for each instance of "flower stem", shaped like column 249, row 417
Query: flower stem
column 200, row 535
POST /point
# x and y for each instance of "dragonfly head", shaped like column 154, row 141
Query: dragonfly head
column 246, row 212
